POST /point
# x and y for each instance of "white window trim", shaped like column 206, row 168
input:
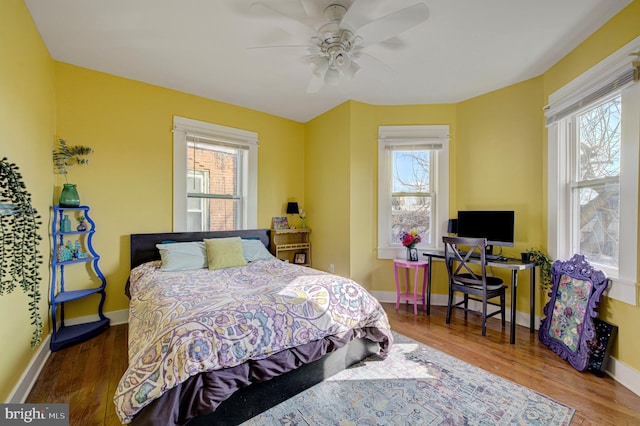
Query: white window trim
column 227, row 135
column 412, row 135
column 624, row 284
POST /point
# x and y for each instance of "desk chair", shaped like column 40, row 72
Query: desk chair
column 463, row 278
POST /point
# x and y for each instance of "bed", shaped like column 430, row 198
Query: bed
column 220, row 346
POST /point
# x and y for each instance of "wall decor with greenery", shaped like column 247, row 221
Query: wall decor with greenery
column 19, row 256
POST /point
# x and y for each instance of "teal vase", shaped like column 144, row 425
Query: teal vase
column 69, row 196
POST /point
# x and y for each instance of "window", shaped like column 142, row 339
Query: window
column 595, row 183
column 215, row 177
column 413, row 185
column 593, row 171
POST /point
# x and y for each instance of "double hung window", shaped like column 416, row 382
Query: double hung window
column 215, row 177
column 595, row 182
column 594, row 133
column 412, row 185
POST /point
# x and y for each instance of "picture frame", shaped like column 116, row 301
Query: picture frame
column 568, row 327
column 280, row 222
column 300, row 258
column 412, row 254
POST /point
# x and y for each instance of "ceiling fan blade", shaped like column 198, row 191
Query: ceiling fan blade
column 375, row 67
column 285, row 22
column 355, row 18
column 315, row 84
column 313, row 8
column 393, row 24
column 294, row 48
column 351, row 71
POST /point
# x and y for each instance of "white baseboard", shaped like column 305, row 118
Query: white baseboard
column 620, row 372
column 522, row 318
column 625, row 375
column 30, row 375
column 22, row 389
column 115, row 317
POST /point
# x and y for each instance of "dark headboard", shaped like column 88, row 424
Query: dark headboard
column 143, row 246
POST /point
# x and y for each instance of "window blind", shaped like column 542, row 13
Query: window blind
column 217, row 141
column 618, row 83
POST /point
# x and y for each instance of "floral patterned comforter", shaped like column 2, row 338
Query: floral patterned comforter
column 188, row 322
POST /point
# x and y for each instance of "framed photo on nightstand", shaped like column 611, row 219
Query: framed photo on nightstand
column 300, row 258
column 280, row 222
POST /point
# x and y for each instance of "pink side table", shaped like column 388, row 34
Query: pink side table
column 417, row 265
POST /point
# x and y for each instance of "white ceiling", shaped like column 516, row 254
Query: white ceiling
column 465, row 48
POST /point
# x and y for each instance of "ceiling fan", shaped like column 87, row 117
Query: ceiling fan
column 335, row 43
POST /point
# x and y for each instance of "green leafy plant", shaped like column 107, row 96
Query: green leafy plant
column 19, row 256
column 66, row 156
column 544, row 263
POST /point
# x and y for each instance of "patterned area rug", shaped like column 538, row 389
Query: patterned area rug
column 416, row 385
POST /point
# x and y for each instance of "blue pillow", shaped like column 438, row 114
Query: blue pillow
column 254, row 250
column 183, row 256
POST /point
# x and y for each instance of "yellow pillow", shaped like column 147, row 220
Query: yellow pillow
column 224, row 252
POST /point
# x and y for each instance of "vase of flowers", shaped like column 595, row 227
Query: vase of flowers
column 410, row 239
column 303, row 217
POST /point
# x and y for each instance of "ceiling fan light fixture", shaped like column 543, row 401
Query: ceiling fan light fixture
column 352, row 70
column 342, row 61
column 332, row 77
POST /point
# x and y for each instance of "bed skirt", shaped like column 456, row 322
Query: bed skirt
column 233, row 395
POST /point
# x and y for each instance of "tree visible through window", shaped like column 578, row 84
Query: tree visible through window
column 411, row 193
column 596, row 190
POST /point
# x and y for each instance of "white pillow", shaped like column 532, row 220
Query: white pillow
column 254, row 250
column 183, row 256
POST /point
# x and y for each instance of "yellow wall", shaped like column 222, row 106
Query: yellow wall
column 499, row 152
column 620, row 30
column 28, row 126
column 327, row 188
column 128, row 181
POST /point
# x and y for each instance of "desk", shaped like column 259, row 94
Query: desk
column 514, row 265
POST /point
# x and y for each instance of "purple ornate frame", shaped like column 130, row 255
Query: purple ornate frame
column 568, row 327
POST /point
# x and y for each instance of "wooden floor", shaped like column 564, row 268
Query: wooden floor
column 86, row 375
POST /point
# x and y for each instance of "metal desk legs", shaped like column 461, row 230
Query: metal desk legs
column 532, row 303
column 532, row 300
column 514, row 291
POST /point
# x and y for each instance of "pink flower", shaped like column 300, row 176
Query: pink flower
column 411, row 238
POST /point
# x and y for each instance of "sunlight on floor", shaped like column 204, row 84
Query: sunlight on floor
column 400, row 351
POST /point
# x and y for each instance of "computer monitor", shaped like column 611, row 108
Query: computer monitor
column 497, row 226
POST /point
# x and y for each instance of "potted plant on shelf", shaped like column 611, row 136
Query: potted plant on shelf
column 544, row 262
column 66, row 156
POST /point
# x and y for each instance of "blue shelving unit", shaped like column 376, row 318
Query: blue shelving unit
column 63, row 334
